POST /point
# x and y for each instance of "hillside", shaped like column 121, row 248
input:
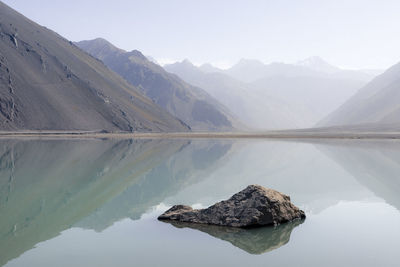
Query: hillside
column 375, row 104
column 47, row 83
column 189, row 103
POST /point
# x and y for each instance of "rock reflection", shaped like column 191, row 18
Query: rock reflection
column 254, row 241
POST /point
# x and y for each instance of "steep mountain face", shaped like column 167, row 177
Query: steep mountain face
column 376, row 104
column 274, row 102
column 47, row 83
column 190, row 104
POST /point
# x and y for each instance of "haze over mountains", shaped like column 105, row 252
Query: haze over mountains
column 47, row 83
column 276, row 96
column 375, row 106
column 189, row 103
column 250, row 70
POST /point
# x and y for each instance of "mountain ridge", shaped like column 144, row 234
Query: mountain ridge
column 47, row 83
column 251, row 70
column 189, row 103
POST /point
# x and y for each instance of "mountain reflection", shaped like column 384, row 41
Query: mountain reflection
column 253, row 241
column 49, row 186
column 374, row 164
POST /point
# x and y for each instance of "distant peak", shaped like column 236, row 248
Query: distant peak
column 98, row 43
column 312, row 60
column 184, row 64
column 100, row 40
column 137, row 54
column 209, row 68
column 187, row 62
column 249, row 63
column 318, row 64
column 207, row 65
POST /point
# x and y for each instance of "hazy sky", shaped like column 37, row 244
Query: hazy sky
column 347, row 33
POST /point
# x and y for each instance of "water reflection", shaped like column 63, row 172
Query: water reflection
column 253, row 241
column 375, row 165
column 171, row 175
column 309, row 176
column 49, row 186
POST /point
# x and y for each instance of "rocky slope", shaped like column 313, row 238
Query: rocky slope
column 47, row 83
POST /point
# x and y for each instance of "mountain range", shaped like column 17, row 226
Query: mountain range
column 250, row 70
column 190, row 104
column 274, row 96
column 50, row 83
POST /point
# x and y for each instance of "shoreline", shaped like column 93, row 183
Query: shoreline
column 204, row 135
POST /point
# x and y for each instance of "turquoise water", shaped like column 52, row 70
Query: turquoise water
column 95, row 202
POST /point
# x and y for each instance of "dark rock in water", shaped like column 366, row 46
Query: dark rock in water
column 252, row 207
column 254, row 241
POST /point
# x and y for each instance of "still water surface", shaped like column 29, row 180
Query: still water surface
column 95, row 202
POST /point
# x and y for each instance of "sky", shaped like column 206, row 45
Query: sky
column 355, row 34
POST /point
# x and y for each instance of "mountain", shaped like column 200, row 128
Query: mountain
column 253, row 110
column 318, row 64
column 48, row 83
column 247, row 70
column 209, row 68
column 190, row 104
column 376, row 104
column 276, row 101
column 307, row 98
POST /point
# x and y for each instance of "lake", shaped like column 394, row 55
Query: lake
column 96, row 202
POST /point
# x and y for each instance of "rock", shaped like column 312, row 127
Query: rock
column 252, row 207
